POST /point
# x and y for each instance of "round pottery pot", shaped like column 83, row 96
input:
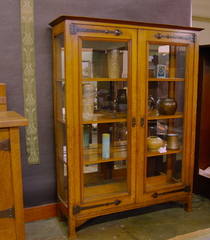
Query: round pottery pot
column 166, row 106
column 154, row 143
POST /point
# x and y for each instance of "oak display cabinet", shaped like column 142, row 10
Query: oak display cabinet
column 108, row 76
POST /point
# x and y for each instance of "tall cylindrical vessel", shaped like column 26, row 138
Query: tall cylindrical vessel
column 114, row 63
column 105, row 145
column 88, row 94
column 172, row 141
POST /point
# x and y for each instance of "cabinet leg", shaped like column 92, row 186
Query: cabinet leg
column 188, row 205
column 72, row 234
column 72, row 229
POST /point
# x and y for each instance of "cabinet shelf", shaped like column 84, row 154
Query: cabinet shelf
column 153, row 183
column 60, row 80
column 105, row 190
column 153, row 115
column 63, row 159
column 166, row 79
column 61, row 120
column 105, row 79
column 156, row 153
column 107, row 118
column 94, row 155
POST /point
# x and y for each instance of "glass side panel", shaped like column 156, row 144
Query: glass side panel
column 61, row 145
column 60, row 63
column 60, row 115
column 104, row 59
column 167, row 61
column 60, row 100
column 62, row 183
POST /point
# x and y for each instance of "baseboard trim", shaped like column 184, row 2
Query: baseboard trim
column 40, row 212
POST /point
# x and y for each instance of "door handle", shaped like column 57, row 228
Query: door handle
column 133, row 122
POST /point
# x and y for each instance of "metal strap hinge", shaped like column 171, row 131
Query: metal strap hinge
column 77, row 209
column 191, row 38
column 7, row 213
column 74, row 30
column 185, row 189
column 5, row 145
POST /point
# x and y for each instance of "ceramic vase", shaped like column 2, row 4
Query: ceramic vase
column 166, row 106
column 113, row 59
column 154, row 143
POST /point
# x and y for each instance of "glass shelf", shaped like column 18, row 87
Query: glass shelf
column 154, row 115
column 105, row 79
column 94, row 155
column 157, row 153
column 166, row 79
column 107, row 118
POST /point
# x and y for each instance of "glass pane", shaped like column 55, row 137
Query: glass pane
column 61, row 135
column 106, row 97
column 165, row 136
column 105, row 168
column 60, row 100
column 60, row 63
column 104, row 59
column 62, row 183
column 105, row 178
column 167, row 61
column 160, row 90
column 164, row 169
column 163, row 127
column 61, row 151
column 104, row 111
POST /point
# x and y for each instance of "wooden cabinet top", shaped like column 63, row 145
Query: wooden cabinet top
column 115, row 21
column 12, row 119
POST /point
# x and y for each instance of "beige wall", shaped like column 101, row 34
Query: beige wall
column 201, row 19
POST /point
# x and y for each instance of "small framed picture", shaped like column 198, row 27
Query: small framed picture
column 161, row 71
column 86, row 69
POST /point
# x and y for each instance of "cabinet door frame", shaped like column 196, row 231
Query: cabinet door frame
column 147, row 37
column 74, row 117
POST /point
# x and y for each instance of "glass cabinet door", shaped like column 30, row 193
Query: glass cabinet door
column 166, row 115
column 105, row 125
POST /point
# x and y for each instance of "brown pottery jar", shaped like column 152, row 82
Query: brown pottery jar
column 166, row 106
